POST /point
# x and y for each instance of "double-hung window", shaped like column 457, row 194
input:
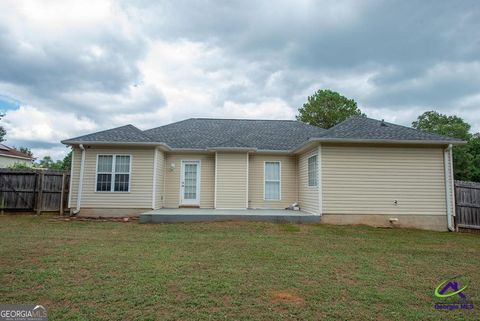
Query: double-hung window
column 113, row 173
column 312, row 171
column 272, row 181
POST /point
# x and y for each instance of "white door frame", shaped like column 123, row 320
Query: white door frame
column 195, row 201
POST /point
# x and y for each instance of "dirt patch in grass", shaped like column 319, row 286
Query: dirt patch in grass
column 286, row 296
column 345, row 278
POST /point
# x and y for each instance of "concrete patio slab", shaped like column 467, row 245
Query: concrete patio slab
column 174, row 215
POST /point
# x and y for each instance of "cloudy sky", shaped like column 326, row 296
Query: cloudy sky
column 73, row 67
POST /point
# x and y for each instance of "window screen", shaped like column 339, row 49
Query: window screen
column 113, row 173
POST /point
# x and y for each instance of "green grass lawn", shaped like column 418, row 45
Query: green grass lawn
column 84, row 270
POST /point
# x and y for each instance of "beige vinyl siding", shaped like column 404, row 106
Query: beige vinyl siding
column 308, row 196
column 172, row 179
column 288, row 181
column 368, row 179
column 232, row 175
column 160, row 182
column 141, row 179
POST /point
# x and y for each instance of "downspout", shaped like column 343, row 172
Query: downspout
column 319, row 180
column 448, row 186
column 154, row 178
column 80, row 181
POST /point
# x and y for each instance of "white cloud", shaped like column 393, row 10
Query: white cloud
column 403, row 115
column 29, row 124
column 48, row 20
column 55, row 152
column 193, row 76
column 270, row 109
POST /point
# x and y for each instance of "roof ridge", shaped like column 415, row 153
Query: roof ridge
column 243, row 119
column 169, row 124
column 362, row 122
column 408, row 127
column 130, row 126
column 326, row 132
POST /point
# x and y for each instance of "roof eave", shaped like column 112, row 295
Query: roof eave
column 20, row 157
column 232, row 149
column 375, row 141
column 273, row 151
column 109, row 143
column 393, row 141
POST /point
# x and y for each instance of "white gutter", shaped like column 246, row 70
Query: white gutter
column 232, row 149
column 448, row 185
column 314, row 140
column 19, row 157
column 74, row 142
column 80, row 181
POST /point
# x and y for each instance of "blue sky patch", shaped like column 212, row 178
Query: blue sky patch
column 7, row 103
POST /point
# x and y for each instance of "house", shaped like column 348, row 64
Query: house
column 361, row 171
column 10, row 156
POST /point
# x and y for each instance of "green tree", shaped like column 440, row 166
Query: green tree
column 3, row 132
column 434, row 122
column 327, row 108
column 59, row 165
column 474, row 149
column 46, row 162
column 67, row 161
column 21, row 165
column 25, row 150
column 452, row 126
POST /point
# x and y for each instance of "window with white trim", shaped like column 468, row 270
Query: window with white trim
column 272, row 181
column 312, row 171
column 113, row 173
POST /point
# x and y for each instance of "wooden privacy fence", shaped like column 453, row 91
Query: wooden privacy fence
column 34, row 190
column 467, row 199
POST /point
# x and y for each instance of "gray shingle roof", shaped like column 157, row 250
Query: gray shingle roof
column 281, row 135
column 202, row 133
column 123, row 134
column 358, row 127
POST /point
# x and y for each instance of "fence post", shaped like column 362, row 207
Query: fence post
column 62, row 194
column 40, row 193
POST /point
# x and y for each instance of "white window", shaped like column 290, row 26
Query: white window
column 312, row 171
column 113, row 173
column 272, row 181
